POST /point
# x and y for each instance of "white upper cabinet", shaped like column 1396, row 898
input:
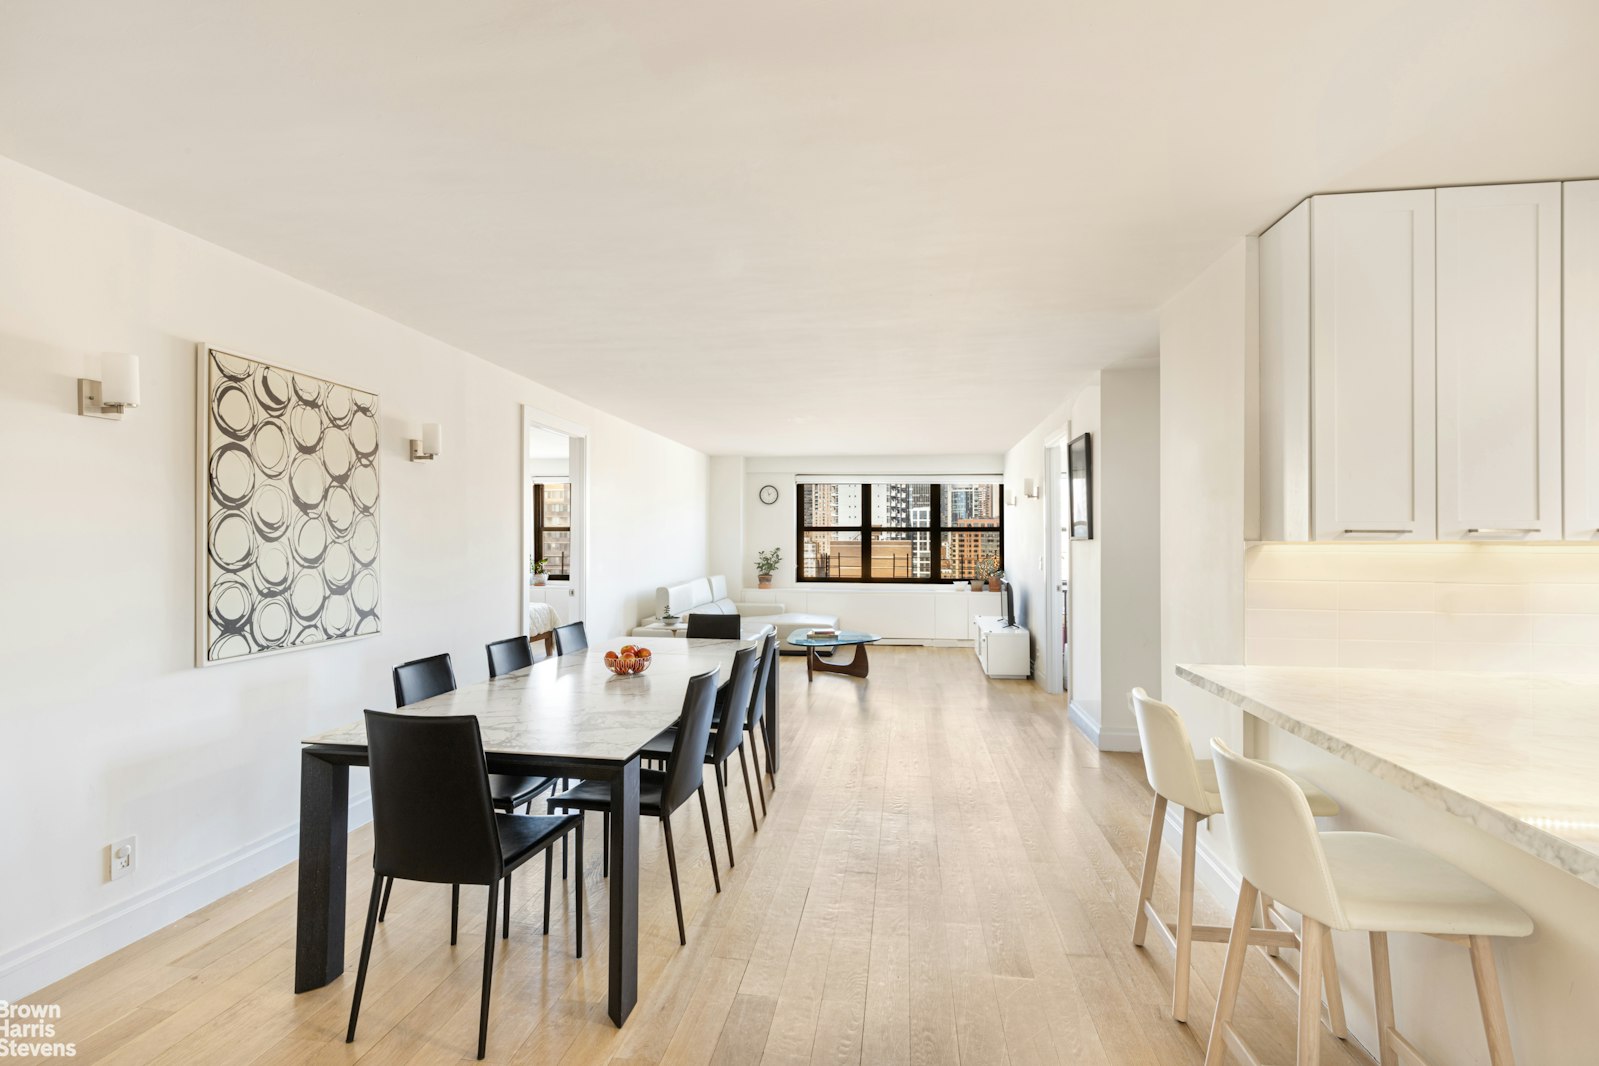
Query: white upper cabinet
column 1373, row 433
column 1582, row 360
column 1284, row 274
column 1499, row 362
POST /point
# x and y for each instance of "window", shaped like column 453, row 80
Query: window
column 552, row 528
column 905, row 531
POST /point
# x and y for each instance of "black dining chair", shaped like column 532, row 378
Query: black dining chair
column 757, row 720
column 570, row 637
column 433, row 820
column 510, row 655
column 422, row 679
column 659, row 794
column 716, row 626
column 727, row 725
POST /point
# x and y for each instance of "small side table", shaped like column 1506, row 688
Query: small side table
column 814, row 663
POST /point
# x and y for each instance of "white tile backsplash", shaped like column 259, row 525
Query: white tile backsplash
column 1488, row 607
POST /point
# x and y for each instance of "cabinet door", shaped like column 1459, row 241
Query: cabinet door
column 1499, row 362
column 1373, row 435
column 1581, row 359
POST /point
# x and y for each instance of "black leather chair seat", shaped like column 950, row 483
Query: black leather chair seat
column 512, row 790
column 521, row 835
column 596, row 795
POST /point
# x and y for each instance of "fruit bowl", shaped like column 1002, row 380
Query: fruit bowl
column 630, row 659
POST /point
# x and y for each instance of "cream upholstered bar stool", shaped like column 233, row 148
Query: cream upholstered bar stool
column 1177, row 776
column 1348, row 881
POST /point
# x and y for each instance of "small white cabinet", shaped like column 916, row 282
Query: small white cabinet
column 1581, row 359
column 1372, row 364
column 1004, row 651
column 1499, row 362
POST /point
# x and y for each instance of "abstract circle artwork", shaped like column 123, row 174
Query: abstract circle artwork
column 289, row 515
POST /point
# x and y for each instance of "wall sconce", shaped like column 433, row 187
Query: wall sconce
column 1030, row 488
column 117, row 389
column 428, row 448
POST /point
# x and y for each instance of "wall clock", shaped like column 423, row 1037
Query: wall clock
column 768, row 494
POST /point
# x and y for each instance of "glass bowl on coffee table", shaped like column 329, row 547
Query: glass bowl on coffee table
column 815, row 640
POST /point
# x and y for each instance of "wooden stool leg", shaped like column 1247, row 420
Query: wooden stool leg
column 1335, row 993
column 1146, row 888
column 1493, row 1004
column 1185, row 919
column 1313, row 943
column 1382, row 986
column 1232, row 975
column 1267, row 923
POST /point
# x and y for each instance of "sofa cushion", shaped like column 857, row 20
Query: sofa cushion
column 700, row 590
column 674, row 599
column 718, row 587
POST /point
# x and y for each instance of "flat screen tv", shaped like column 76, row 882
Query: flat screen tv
column 1007, row 602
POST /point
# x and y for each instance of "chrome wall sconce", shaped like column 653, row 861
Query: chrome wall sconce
column 115, row 391
column 429, row 447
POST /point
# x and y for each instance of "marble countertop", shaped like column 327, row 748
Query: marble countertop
column 1515, row 755
column 571, row 706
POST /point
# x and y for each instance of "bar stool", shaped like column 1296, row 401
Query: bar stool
column 1178, row 777
column 1348, row 881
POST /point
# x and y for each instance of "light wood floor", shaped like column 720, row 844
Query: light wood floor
column 947, row 876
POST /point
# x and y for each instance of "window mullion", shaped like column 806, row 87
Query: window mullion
column 866, row 532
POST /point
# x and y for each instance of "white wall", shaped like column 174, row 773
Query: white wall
column 725, row 521
column 1026, row 534
column 108, row 729
column 1551, row 979
column 1128, row 534
column 1204, row 339
column 1085, row 653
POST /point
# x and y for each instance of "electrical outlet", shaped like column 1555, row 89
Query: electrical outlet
column 122, row 858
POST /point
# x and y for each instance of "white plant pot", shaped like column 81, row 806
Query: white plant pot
column 541, row 579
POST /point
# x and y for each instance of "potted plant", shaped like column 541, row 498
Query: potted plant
column 536, row 569
column 990, row 570
column 765, row 563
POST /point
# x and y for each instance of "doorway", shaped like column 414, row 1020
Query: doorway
column 553, row 569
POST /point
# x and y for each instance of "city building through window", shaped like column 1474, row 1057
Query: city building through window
column 552, row 528
column 906, row 531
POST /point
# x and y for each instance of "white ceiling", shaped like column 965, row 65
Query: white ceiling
column 783, row 228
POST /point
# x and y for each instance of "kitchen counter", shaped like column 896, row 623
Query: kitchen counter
column 1515, row 755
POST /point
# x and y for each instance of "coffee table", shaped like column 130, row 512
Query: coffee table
column 814, row 663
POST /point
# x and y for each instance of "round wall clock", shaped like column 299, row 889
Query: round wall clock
column 768, row 494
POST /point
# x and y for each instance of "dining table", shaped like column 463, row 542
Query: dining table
column 568, row 717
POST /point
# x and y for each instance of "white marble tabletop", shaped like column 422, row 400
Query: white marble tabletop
column 571, row 706
column 1515, row 755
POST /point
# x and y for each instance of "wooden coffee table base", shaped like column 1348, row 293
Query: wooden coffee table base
column 856, row 667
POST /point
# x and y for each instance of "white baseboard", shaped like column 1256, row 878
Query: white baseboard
column 47, row 959
column 1103, row 739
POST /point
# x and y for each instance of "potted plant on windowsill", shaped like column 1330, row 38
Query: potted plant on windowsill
column 991, row 573
column 536, row 570
column 766, row 563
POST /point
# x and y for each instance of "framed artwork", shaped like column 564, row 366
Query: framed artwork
column 287, row 510
column 1079, row 466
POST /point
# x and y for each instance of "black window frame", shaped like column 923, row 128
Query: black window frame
column 539, row 529
column 935, row 530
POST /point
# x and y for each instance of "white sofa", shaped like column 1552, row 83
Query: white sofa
column 708, row 595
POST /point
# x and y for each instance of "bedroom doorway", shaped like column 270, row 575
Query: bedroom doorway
column 553, row 567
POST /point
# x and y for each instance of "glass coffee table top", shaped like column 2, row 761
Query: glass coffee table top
column 844, row 638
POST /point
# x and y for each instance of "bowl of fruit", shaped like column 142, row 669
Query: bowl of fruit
column 628, row 660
